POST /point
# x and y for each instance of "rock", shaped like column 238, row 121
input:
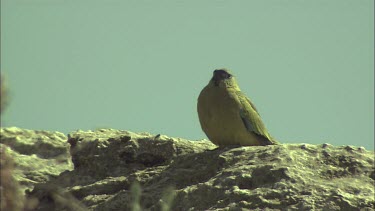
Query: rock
column 38, row 155
column 12, row 198
column 121, row 170
column 113, row 170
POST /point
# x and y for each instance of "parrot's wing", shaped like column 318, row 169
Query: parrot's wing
column 252, row 121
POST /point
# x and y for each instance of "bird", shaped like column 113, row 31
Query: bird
column 227, row 116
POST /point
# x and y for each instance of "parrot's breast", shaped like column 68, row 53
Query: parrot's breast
column 219, row 115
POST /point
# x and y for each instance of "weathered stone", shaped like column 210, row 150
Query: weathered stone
column 199, row 177
column 177, row 174
column 11, row 196
column 38, row 155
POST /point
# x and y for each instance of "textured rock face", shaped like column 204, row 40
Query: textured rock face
column 177, row 174
column 37, row 155
column 187, row 175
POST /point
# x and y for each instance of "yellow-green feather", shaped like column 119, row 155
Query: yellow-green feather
column 250, row 115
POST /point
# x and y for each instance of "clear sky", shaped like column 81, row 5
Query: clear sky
column 139, row 65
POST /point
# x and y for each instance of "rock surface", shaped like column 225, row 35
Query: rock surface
column 121, row 170
column 38, row 156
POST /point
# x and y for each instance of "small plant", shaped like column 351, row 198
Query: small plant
column 3, row 94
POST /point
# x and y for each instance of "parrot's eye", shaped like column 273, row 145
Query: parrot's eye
column 226, row 75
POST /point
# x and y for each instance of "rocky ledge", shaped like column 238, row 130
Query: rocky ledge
column 121, row 170
column 39, row 155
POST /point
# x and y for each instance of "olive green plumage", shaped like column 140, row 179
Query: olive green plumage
column 227, row 116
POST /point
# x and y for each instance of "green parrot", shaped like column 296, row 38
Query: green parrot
column 227, row 116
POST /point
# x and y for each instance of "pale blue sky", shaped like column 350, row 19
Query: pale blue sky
column 140, row 65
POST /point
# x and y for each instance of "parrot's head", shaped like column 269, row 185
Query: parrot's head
column 223, row 78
